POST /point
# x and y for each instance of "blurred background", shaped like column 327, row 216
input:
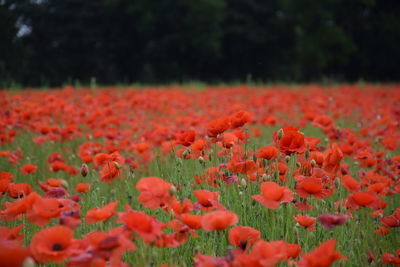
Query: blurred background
column 55, row 42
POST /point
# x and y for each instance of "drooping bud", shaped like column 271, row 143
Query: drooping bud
column 116, row 165
column 313, row 163
column 84, row 170
column 287, row 159
column 243, row 183
column 64, row 183
column 280, row 134
column 132, row 171
column 201, row 160
column 298, row 164
column 28, row 262
column 196, row 250
column 172, row 190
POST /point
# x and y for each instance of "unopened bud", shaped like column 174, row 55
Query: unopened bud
column 298, row 164
column 201, row 160
column 28, row 262
column 287, row 159
column 64, row 183
column 280, row 134
column 116, row 165
column 240, row 193
column 84, row 170
column 196, row 250
column 313, row 163
column 172, row 190
column 266, row 177
column 132, row 171
column 254, row 158
column 243, row 183
column 307, row 154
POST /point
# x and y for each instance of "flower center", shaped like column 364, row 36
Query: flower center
column 57, row 247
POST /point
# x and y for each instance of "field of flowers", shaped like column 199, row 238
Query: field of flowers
column 215, row 176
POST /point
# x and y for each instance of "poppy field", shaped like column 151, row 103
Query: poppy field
column 200, row 176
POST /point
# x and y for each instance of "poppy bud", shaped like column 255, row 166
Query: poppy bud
column 132, row 171
column 196, row 250
column 287, row 158
column 240, row 193
column 243, row 183
column 28, row 262
column 201, row 160
column 116, row 165
column 265, row 177
column 64, row 183
column 254, row 158
column 307, row 154
column 313, row 163
column 280, row 134
column 298, row 164
column 172, row 190
column 84, row 170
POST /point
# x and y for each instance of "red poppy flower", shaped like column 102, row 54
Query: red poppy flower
column 229, row 140
column 218, row 220
column 332, row 158
column 186, row 138
column 154, row 192
column 147, row 227
column 240, row 119
column 243, row 236
column 267, row 152
column 12, row 254
column 305, row 221
column 323, row 256
column 291, row 141
column 218, row 126
column 43, row 210
column 206, row 197
column 180, row 208
column 363, row 199
column 209, row 261
column 28, row 168
column 350, row 183
column 191, row 220
column 19, row 190
column 264, row 253
column 101, row 214
column 329, row 221
column 273, row 194
column 388, row 258
column 311, row 186
column 52, row 244
column 82, row 188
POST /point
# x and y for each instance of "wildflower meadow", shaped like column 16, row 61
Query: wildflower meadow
column 252, row 176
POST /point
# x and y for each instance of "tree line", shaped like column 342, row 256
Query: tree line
column 52, row 42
